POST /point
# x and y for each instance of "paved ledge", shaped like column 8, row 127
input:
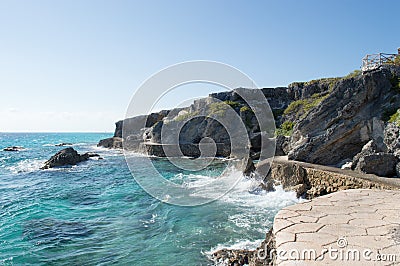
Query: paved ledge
column 352, row 222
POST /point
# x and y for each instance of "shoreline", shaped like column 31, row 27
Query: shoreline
column 360, row 181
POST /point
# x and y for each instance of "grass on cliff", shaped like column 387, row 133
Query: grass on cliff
column 395, row 118
column 286, row 129
column 245, row 109
column 353, row 74
column 303, row 106
column 219, row 108
column 186, row 116
column 396, row 61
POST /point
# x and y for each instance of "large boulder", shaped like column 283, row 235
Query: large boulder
column 342, row 123
column 375, row 159
column 381, row 164
column 392, row 138
column 67, row 156
column 372, row 147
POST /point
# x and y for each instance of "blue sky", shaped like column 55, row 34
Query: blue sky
column 74, row 65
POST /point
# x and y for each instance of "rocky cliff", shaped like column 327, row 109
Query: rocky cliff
column 327, row 121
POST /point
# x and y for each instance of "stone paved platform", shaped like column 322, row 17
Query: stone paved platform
column 350, row 227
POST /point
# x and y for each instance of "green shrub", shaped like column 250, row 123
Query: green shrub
column 397, row 60
column 286, row 129
column 186, row 116
column 245, row 109
column 395, row 118
column 232, row 104
column 294, row 106
column 218, row 108
column 353, row 74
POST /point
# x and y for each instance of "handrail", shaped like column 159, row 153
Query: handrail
column 374, row 61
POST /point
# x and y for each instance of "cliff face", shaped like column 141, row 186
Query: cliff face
column 326, row 121
column 351, row 115
column 200, row 121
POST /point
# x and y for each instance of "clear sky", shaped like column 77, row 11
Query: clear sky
column 74, row 65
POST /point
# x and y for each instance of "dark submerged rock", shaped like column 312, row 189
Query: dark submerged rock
column 53, row 231
column 63, row 144
column 14, row 148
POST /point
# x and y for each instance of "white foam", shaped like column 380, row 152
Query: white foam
column 26, row 166
column 238, row 244
column 253, row 207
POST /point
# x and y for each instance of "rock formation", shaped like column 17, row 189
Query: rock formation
column 326, row 121
column 349, row 117
column 14, row 148
column 63, row 144
column 67, row 156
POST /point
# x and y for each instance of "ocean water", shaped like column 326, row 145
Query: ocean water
column 95, row 213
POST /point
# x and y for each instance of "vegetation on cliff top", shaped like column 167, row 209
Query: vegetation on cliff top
column 286, row 129
column 300, row 108
column 185, row 116
column 395, row 118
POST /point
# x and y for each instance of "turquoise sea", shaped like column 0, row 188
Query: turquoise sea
column 94, row 213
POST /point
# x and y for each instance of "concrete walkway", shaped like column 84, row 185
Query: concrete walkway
column 349, row 227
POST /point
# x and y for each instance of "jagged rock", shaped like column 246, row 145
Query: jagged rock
column 249, row 167
column 375, row 159
column 111, row 143
column 282, row 145
column 398, row 169
column 291, row 177
column 262, row 255
column 392, row 138
column 88, row 155
column 63, row 144
column 342, row 123
column 381, row 164
column 67, row 156
column 14, row 148
column 370, row 148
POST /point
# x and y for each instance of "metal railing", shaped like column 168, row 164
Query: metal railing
column 374, row 61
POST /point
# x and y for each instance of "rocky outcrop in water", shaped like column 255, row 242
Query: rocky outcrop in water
column 263, row 255
column 14, row 148
column 111, row 143
column 63, row 144
column 67, row 156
